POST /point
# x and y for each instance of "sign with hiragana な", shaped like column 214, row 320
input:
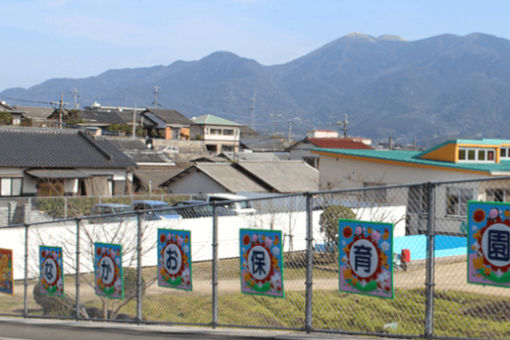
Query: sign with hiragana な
column 108, row 270
column 261, row 262
column 366, row 258
column 174, row 259
column 489, row 243
column 6, row 276
column 51, row 271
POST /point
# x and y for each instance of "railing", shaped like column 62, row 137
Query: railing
column 432, row 298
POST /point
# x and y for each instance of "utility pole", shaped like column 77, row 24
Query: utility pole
column 60, row 110
column 134, row 123
column 76, row 95
column 291, row 122
column 156, row 96
column 252, row 112
column 344, row 123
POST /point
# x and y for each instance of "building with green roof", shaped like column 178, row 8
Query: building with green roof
column 459, row 159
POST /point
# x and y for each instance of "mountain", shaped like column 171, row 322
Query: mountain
column 443, row 86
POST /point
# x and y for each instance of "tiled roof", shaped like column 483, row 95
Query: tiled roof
column 169, row 116
column 338, row 143
column 410, row 157
column 213, row 120
column 53, row 148
column 101, row 117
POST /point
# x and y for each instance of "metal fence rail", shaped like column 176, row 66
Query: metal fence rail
column 432, row 298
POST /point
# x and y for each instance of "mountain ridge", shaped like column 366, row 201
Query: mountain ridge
column 445, row 85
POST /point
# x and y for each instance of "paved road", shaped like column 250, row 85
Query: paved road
column 39, row 329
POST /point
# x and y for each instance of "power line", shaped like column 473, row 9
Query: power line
column 27, row 100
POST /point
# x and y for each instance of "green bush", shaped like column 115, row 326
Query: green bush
column 329, row 223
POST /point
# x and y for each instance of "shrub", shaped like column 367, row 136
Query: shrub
column 329, row 223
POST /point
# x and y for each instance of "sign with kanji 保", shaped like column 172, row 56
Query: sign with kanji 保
column 366, row 258
column 51, row 271
column 174, row 259
column 489, row 243
column 6, row 276
column 108, row 270
column 261, row 262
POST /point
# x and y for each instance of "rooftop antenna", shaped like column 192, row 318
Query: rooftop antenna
column 344, row 123
column 156, row 96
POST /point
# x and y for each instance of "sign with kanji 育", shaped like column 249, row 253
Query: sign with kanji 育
column 488, row 247
column 108, row 270
column 174, row 259
column 261, row 262
column 51, row 271
column 366, row 258
column 6, row 276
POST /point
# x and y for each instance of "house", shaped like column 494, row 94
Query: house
column 218, row 134
column 166, row 124
column 56, row 162
column 459, row 159
column 38, row 115
column 254, row 176
column 301, row 150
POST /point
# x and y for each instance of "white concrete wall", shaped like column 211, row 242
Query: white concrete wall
column 292, row 225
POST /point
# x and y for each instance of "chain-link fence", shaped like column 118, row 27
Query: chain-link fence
column 431, row 296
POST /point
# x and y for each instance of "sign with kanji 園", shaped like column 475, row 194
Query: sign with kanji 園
column 261, row 262
column 489, row 243
column 51, row 271
column 366, row 258
column 174, row 259
column 6, row 276
column 108, row 270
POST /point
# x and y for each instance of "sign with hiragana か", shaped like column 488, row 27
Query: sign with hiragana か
column 174, row 259
column 488, row 248
column 261, row 262
column 51, row 271
column 108, row 270
column 366, row 258
column 6, row 276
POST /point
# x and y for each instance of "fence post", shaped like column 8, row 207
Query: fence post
column 309, row 263
column 139, row 268
column 65, row 207
column 25, row 290
column 77, row 276
column 429, row 284
column 215, row 268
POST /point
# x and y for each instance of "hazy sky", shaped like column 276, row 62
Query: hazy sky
column 43, row 39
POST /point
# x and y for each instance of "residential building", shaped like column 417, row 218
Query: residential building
column 459, row 159
column 236, row 177
column 55, row 162
column 166, row 124
column 218, row 134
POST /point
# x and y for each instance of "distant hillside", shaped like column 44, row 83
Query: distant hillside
column 444, row 86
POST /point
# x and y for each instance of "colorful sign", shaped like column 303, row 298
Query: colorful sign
column 6, row 281
column 261, row 262
column 489, row 243
column 366, row 258
column 174, row 259
column 51, row 271
column 108, row 270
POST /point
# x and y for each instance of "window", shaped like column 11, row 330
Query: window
column 476, row 155
column 498, row 195
column 215, row 131
column 10, row 186
column 456, row 201
column 505, row 152
column 228, row 132
column 417, row 199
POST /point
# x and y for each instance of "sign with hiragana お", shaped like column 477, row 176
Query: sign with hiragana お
column 6, row 276
column 261, row 262
column 488, row 249
column 51, row 271
column 109, row 277
column 174, row 259
column 366, row 258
